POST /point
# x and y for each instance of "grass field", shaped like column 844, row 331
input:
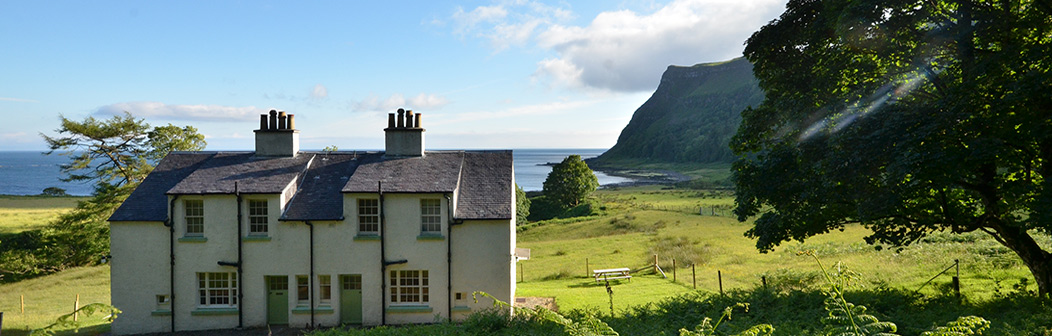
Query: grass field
column 20, row 213
column 46, row 298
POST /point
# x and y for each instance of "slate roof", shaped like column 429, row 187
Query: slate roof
column 435, row 172
column 253, row 174
column 148, row 202
column 486, row 186
column 483, row 181
column 319, row 197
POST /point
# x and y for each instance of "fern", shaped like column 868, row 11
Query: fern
column 588, row 326
column 706, row 328
column 967, row 325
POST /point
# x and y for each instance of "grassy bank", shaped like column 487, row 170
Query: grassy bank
column 48, row 297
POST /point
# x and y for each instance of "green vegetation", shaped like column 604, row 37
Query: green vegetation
column 522, row 205
column 115, row 155
column 569, row 183
column 24, row 213
column 690, row 118
column 49, row 297
column 910, row 118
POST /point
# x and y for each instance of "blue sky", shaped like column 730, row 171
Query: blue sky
column 484, row 74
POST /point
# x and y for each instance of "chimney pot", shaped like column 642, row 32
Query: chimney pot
column 273, row 120
column 292, row 121
column 409, row 119
column 282, row 120
column 417, row 123
column 390, row 120
column 263, row 122
column 401, row 118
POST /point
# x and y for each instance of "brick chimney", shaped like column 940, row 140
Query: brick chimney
column 404, row 136
column 277, row 135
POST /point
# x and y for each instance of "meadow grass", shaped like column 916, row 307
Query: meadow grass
column 627, row 236
column 48, row 297
column 21, row 213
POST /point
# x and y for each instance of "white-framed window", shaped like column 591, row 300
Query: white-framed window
column 302, row 290
column 324, row 289
column 368, row 216
column 217, row 289
column 409, row 287
column 257, row 217
column 431, row 216
column 195, row 217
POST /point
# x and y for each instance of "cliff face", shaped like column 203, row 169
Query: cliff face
column 691, row 116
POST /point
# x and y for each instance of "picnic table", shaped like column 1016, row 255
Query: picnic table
column 613, row 273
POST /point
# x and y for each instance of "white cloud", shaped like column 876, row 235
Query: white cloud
column 507, row 23
column 423, row 101
column 17, row 137
column 319, row 92
column 183, row 112
column 626, row 50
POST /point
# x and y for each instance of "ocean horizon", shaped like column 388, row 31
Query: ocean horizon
column 30, row 172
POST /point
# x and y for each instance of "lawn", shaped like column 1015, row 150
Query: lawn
column 21, row 213
column 46, row 298
column 629, row 235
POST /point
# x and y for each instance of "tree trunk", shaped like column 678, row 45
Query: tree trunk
column 1039, row 261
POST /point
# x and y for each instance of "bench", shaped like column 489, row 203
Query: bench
column 611, row 274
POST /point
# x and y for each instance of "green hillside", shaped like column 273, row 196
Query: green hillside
column 690, row 118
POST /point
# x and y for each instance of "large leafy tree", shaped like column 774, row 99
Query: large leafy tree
column 115, row 155
column 907, row 116
column 522, row 205
column 570, row 182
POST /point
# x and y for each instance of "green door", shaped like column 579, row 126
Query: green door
column 277, row 299
column 351, row 299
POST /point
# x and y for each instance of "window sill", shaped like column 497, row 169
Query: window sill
column 161, row 312
column 408, row 309
column 431, row 236
column 461, row 309
column 255, row 238
column 213, row 311
column 318, row 310
column 192, row 239
column 366, row 237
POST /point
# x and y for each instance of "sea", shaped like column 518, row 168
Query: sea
column 29, row 172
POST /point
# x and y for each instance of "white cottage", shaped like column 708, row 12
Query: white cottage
column 217, row 240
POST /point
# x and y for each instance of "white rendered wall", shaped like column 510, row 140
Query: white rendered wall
column 138, row 273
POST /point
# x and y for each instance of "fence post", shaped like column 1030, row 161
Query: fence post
column 957, row 278
column 76, row 306
column 520, row 272
column 655, row 264
column 719, row 274
column 763, row 279
column 673, row 269
column 587, row 268
column 693, row 276
column 22, row 303
column 1, row 322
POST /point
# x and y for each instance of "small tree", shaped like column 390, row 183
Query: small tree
column 116, row 154
column 522, row 205
column 570, row 182
column 54, row 192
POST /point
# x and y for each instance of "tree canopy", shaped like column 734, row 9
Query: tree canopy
column 570, row 182
column 522, row 205
column 115, row 155
column 906, row 116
